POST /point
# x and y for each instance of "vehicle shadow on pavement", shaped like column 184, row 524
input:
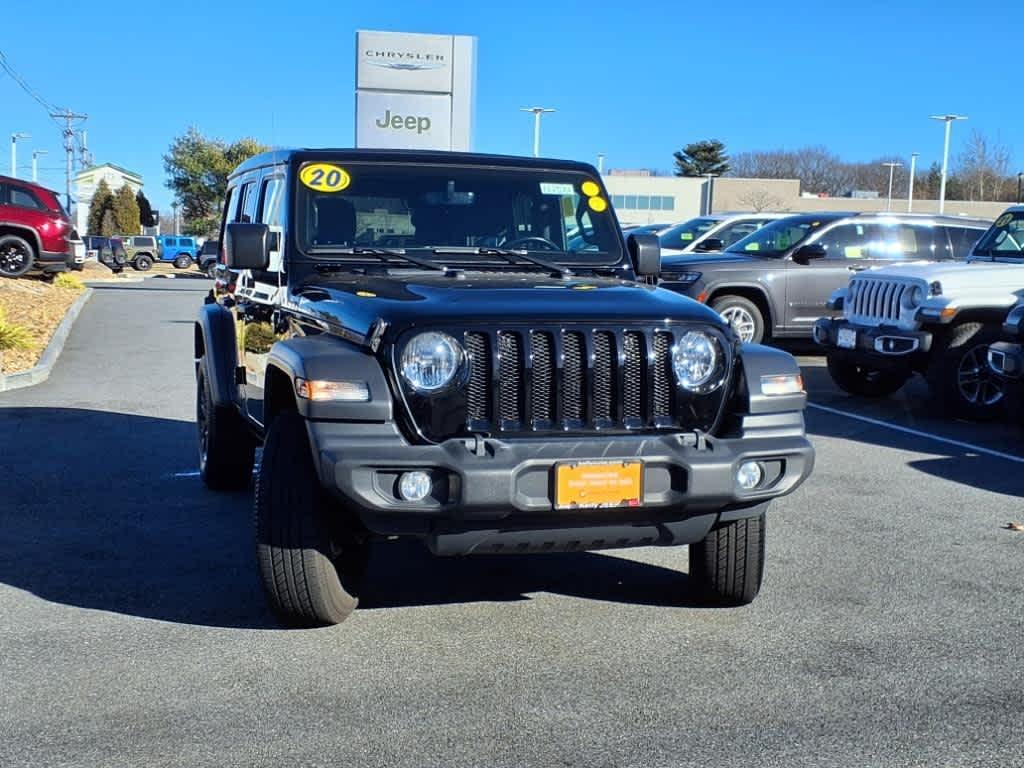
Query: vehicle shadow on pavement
column 406, row 574
column 93, row 516
column 104, row 511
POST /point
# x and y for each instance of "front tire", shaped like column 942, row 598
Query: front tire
column 862, row 381
column 743, row 315
column 311, row 566
column 16, row 256
column 142, row 263
column 959, row 378
column 728, row 565
column 227, row 449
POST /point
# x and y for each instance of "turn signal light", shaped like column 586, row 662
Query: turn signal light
column 784, row 384
column 333, row 391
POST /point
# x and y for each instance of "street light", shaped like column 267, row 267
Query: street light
column 892, row 168
column 537, row 112
column 35, row 163
column 711, row 190
column 174, row 209
column 910, row 191
column 948, row 120
column 14, row 151
column 600, row 163
column 1019, row 177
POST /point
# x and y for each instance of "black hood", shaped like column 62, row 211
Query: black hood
column 350, row 304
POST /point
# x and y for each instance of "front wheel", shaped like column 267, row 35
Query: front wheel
column 862, row 381
column 728, row 565
column 743, row 315
column 311, row 556
column 960, row 380
column 142, row 263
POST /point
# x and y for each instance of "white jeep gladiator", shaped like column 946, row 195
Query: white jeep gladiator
column 935, row 319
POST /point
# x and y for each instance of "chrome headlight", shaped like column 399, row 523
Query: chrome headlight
column 698, row 362
column 430, row 361
column 913, row 298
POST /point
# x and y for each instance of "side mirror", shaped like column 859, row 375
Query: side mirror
column 645, row 251
column 247, row 246
column 806, row 253
column 711, row 244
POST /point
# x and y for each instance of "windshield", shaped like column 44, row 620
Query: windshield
column 777, row 237
column 1005, row 237
column 562, row 216
column 682, row 235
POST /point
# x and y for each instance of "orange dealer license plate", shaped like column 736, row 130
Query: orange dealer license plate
column 583, row 484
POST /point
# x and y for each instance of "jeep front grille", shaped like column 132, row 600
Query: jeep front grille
column 572, row 379
column 875, row 301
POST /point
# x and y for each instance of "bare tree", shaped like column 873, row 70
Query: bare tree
column 759, row 199
column 818, row 170
column 983, row 165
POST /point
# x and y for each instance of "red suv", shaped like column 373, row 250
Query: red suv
column 34, row 230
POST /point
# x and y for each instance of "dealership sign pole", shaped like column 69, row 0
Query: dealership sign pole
column 415, row 91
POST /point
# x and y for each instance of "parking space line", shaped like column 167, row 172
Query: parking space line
column 918, row 433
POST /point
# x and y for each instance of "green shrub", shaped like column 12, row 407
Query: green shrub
column 68, row 282
column 13, row 336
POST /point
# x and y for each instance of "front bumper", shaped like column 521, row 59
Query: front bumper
column 1007, row 359
column 484, row 484
column 883, row 345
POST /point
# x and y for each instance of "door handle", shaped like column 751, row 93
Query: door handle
column 858, row 268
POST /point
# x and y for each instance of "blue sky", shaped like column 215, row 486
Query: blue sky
column 633, row 80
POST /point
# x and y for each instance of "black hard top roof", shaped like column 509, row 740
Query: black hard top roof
column 282, row 156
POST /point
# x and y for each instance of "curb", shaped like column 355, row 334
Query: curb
column 41, row 372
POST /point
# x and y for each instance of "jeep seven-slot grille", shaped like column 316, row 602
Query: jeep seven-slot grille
column 566, row 379
column 875, row 300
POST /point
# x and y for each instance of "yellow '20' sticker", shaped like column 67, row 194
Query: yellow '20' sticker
column 324, row 177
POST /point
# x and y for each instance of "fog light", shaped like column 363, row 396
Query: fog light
column 414, row 486
column 749, row 475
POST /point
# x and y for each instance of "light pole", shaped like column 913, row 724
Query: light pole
column 910, row 190
column 537, row 112
column 174, row 209
column 1019, row 177
column 892, row 169
column 35, row 163
column 948, row 120
column 14, row 151
column 711, row 191
column 600, row 163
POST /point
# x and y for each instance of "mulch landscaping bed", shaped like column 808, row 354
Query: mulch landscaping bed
column 38, row 307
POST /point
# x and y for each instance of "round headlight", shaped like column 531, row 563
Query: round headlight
column 698, row 362
column 430, row 361
column 914, row 297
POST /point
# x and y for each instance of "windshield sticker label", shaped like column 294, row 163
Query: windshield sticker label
column 324, row 177
column 1003, row 220
column 554, row 188
column 597, row 204
column 590, row 189
column 686, row 236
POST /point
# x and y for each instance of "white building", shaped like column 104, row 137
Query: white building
column 85, row 187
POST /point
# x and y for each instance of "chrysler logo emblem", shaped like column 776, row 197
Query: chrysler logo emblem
column 407, row 65
column 413, row 62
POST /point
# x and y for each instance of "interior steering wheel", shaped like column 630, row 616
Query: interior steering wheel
column 523, row 242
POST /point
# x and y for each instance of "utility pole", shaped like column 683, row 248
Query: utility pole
column 948, row 120
column 35, row 163
column 69, row 119
column 14, row 151
column 710, row 191
column 174, row 209
column 910, row 190
column 600, row 163
column 892, row 168
column 537, row 112
column 1020, row 176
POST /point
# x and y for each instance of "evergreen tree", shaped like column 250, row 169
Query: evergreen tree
column 102, row 201
column 702, row 157
column 126, row 212
column 145, row 210
column 107, row 226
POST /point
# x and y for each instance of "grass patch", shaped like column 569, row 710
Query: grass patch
column 68, row 282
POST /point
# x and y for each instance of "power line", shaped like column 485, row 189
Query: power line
column 5, row 65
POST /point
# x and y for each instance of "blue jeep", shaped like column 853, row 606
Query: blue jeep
column 179, row 250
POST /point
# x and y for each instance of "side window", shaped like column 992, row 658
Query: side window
column 247, row 209
column 847, row 241
column 962, row 241
column 270, row 201
column 899, row 242
column 23, row 198
column 736, row 232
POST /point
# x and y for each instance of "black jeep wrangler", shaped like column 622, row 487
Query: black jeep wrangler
column 462, row 348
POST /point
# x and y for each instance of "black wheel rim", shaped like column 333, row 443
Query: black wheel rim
column 13, row 257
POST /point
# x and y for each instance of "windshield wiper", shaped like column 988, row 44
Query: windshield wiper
column 384, row 254
column 509, row 254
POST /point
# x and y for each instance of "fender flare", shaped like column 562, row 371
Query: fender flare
column 759, row 360
column 326, row 358
column 215, row 340
column 726, row 286
column 27, row 232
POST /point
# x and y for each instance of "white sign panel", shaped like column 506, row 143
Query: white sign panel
column 403, row 120
column 395, row 61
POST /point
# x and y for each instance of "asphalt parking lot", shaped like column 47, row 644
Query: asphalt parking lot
column 134, row 632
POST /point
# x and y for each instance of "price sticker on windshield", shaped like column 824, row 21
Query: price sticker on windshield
column 1003, row 220
column 325, row 177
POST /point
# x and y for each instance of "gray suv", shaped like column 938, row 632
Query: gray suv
column 777, row 280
